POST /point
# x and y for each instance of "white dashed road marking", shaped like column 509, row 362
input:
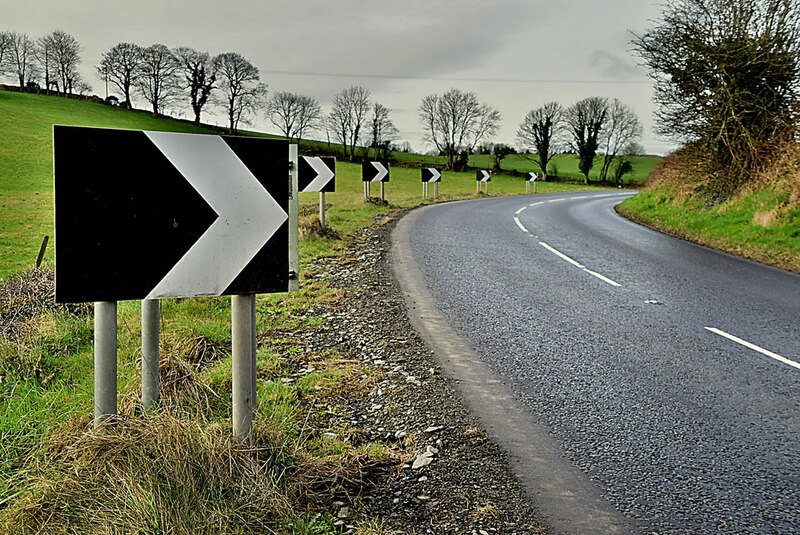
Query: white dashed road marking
column 754, row 347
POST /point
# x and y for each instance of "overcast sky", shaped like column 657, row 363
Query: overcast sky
column 513, row 54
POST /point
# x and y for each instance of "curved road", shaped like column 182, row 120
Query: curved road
column 665, row 372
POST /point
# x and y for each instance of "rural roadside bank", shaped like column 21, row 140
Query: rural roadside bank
column 454, row 479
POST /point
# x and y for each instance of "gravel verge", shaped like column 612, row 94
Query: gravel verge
column 454, row 478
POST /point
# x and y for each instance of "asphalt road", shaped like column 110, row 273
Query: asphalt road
column 666, row 372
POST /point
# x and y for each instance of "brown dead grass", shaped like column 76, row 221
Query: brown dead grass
column 310, row 227
column 163, row 473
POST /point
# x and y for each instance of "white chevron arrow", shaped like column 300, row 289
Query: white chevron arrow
column 533, row 177
column 485, row 175
column 248, row 215
column 382, row 171
column 324, row 174
column 435, row 174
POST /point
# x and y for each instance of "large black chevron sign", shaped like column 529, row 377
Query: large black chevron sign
column 317, row 173
column 430, row 174
column 374, row 172
column 158, row 215
column 483, row 176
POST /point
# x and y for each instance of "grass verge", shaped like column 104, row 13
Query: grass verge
column 761, row 221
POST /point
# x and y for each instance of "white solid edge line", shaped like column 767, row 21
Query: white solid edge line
column 519, row 224
column 754, row 347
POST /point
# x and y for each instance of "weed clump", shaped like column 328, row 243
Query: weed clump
column 311, row 227
column 27, row 295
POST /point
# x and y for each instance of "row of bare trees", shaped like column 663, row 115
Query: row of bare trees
column 163, row 76
column 53, row 59
column 591, row 125
column 231, row 82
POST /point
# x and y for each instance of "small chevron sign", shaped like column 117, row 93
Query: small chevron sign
column 317, row 174
column 430, row 174
column 374, row 172
column 483, row 176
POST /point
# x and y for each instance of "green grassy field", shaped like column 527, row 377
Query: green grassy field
column 26, row 164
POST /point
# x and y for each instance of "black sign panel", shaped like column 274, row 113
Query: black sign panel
column 158, row 215
column 430, row 174
column 317, row 173
column 374, row 172
column 483, row 176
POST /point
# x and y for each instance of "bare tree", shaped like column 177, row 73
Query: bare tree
column 243, row 94
column 81, row 86
column 157, row 78
column 5, row 46
column 382, row 130
column 121, row 67
column 43, row 53
column 456, row 121
column 336, row 126
column 293, row 114
column 585, row 119
column 199, row 77
column 21, row 56
column 726, row 77
column 249, row 105
column 622, row 128
column 540, row 130
column 348, row 116
column 61, row 52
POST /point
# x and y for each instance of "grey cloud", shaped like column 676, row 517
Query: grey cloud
column 613, row 66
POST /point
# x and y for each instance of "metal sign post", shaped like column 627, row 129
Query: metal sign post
column 105, row 361
column 242, row 369
column 294, row 215
column 150, row 352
